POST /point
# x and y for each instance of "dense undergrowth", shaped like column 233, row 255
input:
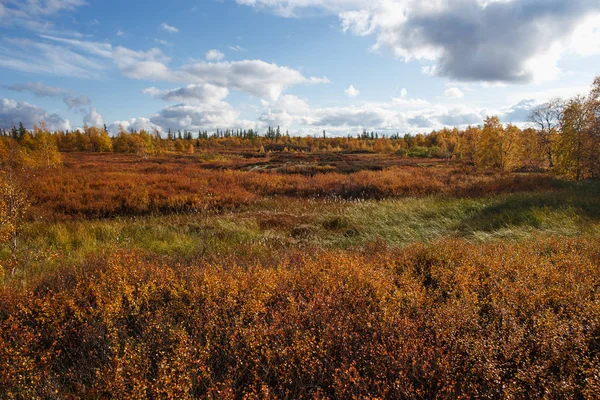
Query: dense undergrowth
column 450, row 319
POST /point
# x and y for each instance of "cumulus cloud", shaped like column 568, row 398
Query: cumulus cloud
column 196, row 117
column 39, row 89
column 399, row 115
column 93, row 118
column 254, row 77
column 352, row 91
column 461, row 117
column 291, row 111
column 455, row 93
column 513, row 41
column 168, row 28
column 214, row 55
column 519, row 113
column 357, row 22
column 136, row 124
column 420, row 121
column 204, row 93
column 201, row 108
column 12, row 112
column 357, row 117
column 496, row 41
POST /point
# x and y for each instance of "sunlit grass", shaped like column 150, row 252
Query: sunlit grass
column 277, row 223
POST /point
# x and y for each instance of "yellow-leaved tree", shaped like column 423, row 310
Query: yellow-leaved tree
column 44, row 152
column 489, row 150
column 14, row 202
column 577, row 145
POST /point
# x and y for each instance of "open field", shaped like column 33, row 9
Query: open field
column 99, row 185
column 331, row 275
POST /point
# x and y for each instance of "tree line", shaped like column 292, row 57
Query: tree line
column 563, row 136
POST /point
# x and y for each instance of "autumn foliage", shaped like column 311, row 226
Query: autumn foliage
column 255, row 299
column 92, row 186
column 448, row 320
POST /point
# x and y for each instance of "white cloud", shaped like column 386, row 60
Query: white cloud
column 162, row 42
column 453, row 92
column 352, row 91
column 26, row 55
column 467, row 40
column 292, row 112
column 93, row 118
column 203, row 93
column 12, row 112
column 39, row 89
column 137, row 124
column 357, row 22
column 461, row 116
column 214, row 55
column 236, row 48
column 168, row 28
column 39, row 7
column 70, row 57
column 36, row 15
column 586, row 38
column 399, row 115
column 196, row 117
column 255, row 77
column 84, row 59
column 75, row 102
column 519, row 113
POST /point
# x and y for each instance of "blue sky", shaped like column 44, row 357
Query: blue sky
column 307, row 65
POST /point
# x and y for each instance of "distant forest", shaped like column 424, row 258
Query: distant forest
column 564, row 137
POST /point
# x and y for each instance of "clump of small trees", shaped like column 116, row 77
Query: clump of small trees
column 569, row 134
column 21, row 155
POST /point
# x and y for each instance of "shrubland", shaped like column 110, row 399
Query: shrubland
column 459, row 264
column 448, row 319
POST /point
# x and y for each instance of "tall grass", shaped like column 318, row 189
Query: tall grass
column 271, row 225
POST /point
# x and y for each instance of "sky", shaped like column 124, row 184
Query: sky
column 393, row 66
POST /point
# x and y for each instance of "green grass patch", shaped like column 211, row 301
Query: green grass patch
column 276, row 224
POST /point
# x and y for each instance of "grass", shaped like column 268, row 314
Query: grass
column 276, row 223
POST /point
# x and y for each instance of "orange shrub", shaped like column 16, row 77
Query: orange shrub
column 98, row 185
column 449, row 320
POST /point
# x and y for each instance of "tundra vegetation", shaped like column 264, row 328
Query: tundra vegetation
column 459, row 263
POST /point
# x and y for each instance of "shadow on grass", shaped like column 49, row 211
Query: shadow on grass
column 579, row 199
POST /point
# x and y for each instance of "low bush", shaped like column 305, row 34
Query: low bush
column 449, row 319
